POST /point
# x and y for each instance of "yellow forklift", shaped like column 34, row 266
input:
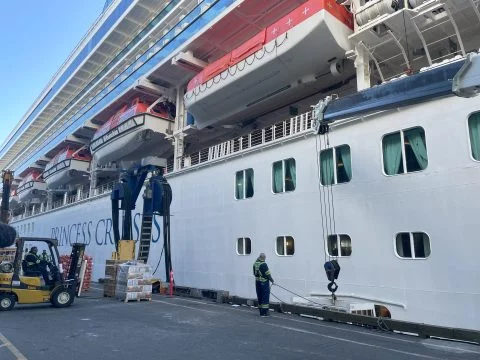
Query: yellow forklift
column 20, row 285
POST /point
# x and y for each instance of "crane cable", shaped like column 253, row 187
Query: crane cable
column 294, row 293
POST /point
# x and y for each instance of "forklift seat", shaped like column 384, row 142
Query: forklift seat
column 27, row 272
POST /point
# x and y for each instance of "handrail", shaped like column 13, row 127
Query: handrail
column 281, row 131
column 257, row 138
column 83, row 195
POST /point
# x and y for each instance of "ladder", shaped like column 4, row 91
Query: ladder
column 145, row 237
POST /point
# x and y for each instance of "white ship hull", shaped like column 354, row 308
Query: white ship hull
column 139, row 136
column 67, row 172
column 371, row 209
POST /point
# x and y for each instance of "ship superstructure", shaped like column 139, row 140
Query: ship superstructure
column 223, row 91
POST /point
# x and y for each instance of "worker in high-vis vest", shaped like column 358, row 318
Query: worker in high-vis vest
column 36, row 265
column 263, row 277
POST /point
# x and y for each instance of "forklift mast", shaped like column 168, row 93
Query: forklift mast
column 76, row 257
column 157, row 198
column 7, row 233
column 7, row 179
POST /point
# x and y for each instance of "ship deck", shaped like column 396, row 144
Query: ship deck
column 183, row 328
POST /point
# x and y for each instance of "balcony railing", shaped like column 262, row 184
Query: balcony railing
column 279, row 132
column 84, row 194
column 258, row 138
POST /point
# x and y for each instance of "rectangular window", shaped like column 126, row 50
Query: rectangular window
column 405, row 151
column 335, row 165
column 414, row 245
column 342, row 242
column 285, row 246
column 284, row 176
column 474, row 131
column 244, row 184
column 244, row 246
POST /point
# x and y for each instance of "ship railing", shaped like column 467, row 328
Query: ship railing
column 85, row 194
column 261, row 137
column 103, row 189
column 257, row 138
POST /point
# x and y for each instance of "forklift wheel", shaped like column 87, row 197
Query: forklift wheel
column 62, row 297
column 7, row 302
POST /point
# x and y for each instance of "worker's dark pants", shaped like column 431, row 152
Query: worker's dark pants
column 39, row 269
column 263, row 296
column 45, row 275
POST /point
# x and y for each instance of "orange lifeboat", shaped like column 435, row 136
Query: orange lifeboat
column 132, row 133
column 32, row 189
column 272, row 65
column 67, row 167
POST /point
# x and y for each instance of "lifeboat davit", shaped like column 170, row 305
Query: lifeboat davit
column 32, row 189
column 14, row 203
column 68, row 167
column 290, row 52
column 132, row 133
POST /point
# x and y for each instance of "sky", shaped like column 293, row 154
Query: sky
column 36, row 38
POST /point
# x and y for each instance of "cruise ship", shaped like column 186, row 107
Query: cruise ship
column 309, row 130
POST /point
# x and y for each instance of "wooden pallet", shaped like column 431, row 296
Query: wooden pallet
column 134, row 300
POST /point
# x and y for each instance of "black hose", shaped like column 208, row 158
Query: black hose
column 115, row 222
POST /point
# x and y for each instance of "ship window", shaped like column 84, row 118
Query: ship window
column 284, row 176
column 244, row 246
column 414, row 245
column 474, row 130
column 335, row 165
column 405, row 151
column 244, row 184
column 285, row 246
column 342, row 242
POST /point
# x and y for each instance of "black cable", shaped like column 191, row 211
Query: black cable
column 317, row 138
column 280, row 301
column 160, row 260
column 331, row 191
column 382, row 325
column 329, row 212
column 314, row 302
column 325, row 203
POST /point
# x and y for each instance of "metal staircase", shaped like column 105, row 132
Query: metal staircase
column 145, row 237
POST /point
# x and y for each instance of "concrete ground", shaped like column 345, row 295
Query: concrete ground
column 95, row 327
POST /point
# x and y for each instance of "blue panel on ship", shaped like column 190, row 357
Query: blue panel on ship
column 412, row 89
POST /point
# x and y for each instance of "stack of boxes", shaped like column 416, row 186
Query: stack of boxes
column 65, row 261
column 7, row 255
column 110, row 282
column 134, row 282
column 87, row 279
